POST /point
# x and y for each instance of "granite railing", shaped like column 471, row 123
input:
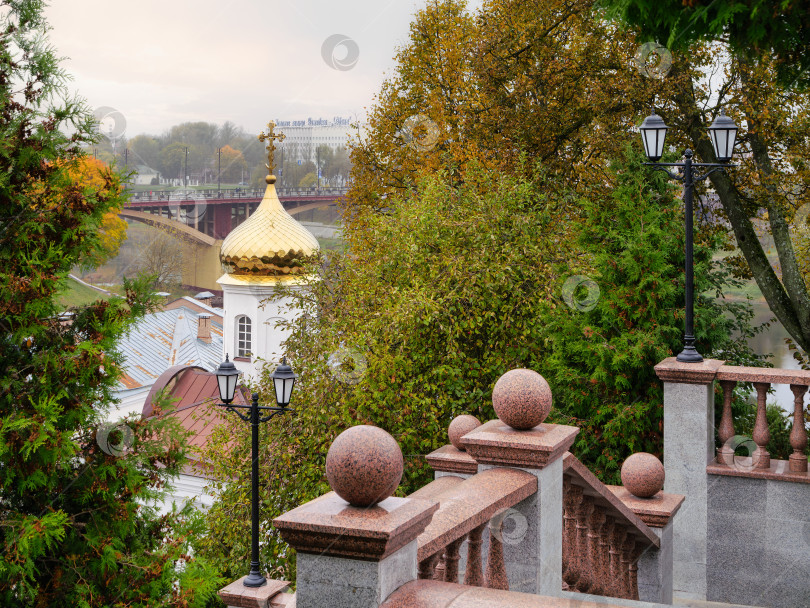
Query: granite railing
column 756, row 502
column 359, row 546
column 602, row 538
column 759, row 462
column 607, row 532
column 762, row 378
column 466, row 508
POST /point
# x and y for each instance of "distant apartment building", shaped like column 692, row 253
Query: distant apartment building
column 304, row 136
column 334, row 132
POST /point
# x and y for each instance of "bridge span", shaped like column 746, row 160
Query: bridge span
column 214, row 213
column 203, row 218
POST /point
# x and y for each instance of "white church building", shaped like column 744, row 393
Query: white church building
column 266, row 251
column 259, row 256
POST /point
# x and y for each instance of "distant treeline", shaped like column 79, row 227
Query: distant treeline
column 225, row 151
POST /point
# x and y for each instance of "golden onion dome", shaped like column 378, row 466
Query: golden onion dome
column 269, row 243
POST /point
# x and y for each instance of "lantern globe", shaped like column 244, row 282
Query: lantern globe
column 723, row 133
column 227, row 377
column 653, row 135
column 284, row 380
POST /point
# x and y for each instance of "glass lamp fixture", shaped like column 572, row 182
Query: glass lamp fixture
column 723, row 133
column 227, row 377
column 284, row 381
column 653, row 134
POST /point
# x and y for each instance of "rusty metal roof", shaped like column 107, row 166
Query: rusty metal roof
column 164, row 339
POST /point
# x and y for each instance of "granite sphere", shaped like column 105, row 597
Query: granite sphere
column 364, row 465
column 460, row 426
column 643, row 475
column 522, row 398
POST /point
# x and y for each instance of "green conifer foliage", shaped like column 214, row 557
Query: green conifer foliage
column 76, row 525
column 605, row 341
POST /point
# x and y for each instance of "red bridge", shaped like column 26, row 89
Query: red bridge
column 206, row 215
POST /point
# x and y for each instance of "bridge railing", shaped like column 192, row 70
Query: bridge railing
column 238, row 193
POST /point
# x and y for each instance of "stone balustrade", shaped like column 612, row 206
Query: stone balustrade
column 603, row 536
column 360, row 547
column 736, row 507
column 466, row 508
column 762, row 378
column 609, row 536
column 759, row 463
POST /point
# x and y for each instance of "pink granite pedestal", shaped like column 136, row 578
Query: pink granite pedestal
column 495, row 443
column 449, row 460
column 236, row 595
column 655, row 567
column 354, row 556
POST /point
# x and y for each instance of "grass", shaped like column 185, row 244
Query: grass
column 77, row 295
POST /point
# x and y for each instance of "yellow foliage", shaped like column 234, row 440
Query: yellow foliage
column 93, row 174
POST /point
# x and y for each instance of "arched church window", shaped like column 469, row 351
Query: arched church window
column 244, row 337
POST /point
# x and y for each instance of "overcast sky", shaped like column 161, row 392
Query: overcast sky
column 163, row 62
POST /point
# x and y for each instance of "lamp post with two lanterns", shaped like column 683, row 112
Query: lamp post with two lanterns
column 723, row 134
column 283, row 381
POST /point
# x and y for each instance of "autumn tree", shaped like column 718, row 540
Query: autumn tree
column 89, row 173
column 78, row 523
column 547, row 79
column 232, row 163
column 175, row 157
column 558, row 81
column 162, row 260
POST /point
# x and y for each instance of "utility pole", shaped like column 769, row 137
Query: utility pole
column 219, row 170
column 318, row 166
column 185, row 174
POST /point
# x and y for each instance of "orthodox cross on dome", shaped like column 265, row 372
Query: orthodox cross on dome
column 269, row 137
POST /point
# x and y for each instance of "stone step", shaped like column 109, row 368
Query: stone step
column 684, row 603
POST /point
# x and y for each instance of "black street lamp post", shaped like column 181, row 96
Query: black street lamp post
column 723, row 133
column 284, row 381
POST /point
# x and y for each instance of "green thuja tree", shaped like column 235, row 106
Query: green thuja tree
column 614, row 321
column 78, row 523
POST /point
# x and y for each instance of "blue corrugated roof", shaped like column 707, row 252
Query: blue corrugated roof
column 166, row 338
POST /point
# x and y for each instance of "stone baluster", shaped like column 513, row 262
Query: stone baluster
column 725, row 455
column 583, row 512
column 798, row 436
column 595, row 523
column 438, row 571
column 474, row 574
column 451, row 557
column 761, row 458
column 638, row 551
column 572, row 496
column 496, row 568
column 604, row 553
column 628, row 548
column 427, row 566
column 616, row 542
